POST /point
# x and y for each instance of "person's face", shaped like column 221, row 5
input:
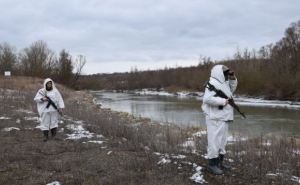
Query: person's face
column 49, row 85
column 226, row 74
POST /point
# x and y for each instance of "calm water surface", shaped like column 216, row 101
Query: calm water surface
column 186, row 112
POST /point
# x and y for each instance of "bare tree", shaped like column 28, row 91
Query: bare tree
column 78, row 66
column 65, row 67
column 38, row 60
column 8, row 58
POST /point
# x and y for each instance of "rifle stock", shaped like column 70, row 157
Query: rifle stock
column 50, row 102
column 223, row 95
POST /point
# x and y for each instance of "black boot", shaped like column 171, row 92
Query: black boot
column 45, row 132
column 213, row 166
column 222, row 165
column 53, row 132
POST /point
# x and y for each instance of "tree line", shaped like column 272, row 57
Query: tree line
column 271, row 72
column 38, row 60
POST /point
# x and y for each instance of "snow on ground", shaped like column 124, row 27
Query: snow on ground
column 240, row 100
column 8, row 129
column 175, row 159
column 164, row 161
column 35, row 118
column 3, row 117
column 190, row 145
column 149, row 92
column 236, row 138
column 267, row 143
column 78, row 132
column 297, row 152
column 200, row 133
column 167, row 158
column 198, row 176
column 54, row 183
column 293, row 178
column 96, row 142
column 25, row 111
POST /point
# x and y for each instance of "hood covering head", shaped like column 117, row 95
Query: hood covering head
column 217, row 73
column 217, row 79
column 48, row 80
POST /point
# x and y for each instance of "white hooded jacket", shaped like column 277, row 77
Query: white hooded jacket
column 54, row 95
column 211, row 102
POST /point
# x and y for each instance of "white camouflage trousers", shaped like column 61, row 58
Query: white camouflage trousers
column 217, row 132
column 49, row 120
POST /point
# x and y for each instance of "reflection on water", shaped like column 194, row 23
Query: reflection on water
column 187, row 112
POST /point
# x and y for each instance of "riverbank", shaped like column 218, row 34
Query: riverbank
column 240, row 99
column 99, row 146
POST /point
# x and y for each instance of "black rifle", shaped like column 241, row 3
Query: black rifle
column 50, row 102
column 221, row 94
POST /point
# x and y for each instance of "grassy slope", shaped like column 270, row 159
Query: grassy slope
column 127, row 154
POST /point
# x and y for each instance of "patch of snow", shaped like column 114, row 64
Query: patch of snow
column 3, row 117
column 259, row 102
column 198, row 176
column 32, row 118
column 267, row 143
column 97, row 142
column 274, row 174
column 38, row 126
column 187, row 162
column 78, row 122
column 10, row 129
column 54, row 183
column 156, row 93
column 182, row 94
column 200, row 133
column 25, row 111
column 296, row 152
column 178, row 156
column 18, row 121
column 164, row 161
column 231, row 160
column 295, row 179
column 157, row 153
column 204, row 156
column 240, row 100
column 236, row 138
column 189, row 143
column 79, row 132
column 99, row 136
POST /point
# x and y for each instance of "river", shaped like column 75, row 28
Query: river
column 186, row 112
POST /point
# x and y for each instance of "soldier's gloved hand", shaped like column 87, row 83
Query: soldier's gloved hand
column 226, row 102
column 60, row 111
column 44, row 99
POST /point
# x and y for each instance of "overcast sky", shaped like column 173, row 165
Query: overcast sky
column 117, row 35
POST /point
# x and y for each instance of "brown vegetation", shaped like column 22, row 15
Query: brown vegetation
column 38, row 60
column 127, row 155
column 272, row 72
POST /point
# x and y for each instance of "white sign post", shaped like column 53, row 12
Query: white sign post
column 7, row 73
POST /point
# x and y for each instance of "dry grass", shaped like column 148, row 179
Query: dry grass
column 127, row 155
